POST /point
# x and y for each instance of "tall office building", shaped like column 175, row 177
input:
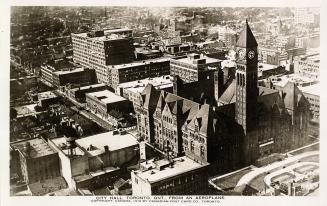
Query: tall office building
column 99, row 49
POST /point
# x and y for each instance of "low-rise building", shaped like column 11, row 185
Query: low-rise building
column 104, row 102
column 179, row 176
column 312, row 93
column 279, row 81
column 52, row 66
column 131, row 90
column 77, row 76
column 78, row 93
column 37, row 160
column 267, row 70
column 193, row 67
column 138, row 70
column 47, row 98
column 308, row 66
column 272, row 55
column 94, row 162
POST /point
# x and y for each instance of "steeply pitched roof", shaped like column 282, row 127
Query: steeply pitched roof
column 229, row 95
column 246, row 38
column 201, row 119
column 150, row 96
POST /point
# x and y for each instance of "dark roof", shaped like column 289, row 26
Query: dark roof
column 246, row 38
column 203, row 117
column 150, row 96
column 229, row 95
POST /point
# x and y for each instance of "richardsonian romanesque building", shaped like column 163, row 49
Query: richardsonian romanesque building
column 246, row 123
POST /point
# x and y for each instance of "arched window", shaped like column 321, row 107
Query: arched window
column 192, row 146
column 202, row 151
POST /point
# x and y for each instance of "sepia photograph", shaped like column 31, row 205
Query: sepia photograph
column 167, row 101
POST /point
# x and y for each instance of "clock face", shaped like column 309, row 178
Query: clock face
column 251, row 54
column 241, row 54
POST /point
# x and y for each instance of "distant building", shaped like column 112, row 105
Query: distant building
column 77, row 76
column 279, row 81
column 94, row 162
column 143, row 54
column 52, row 66
column 308, row 66
column 179, row 176
column 138, row 70
column 283, row 41
column 312, row 93
column 267, row 70
column 304, row 16
column 228, row 36
column 38, row 161
column 194, row 67
column 79, row 93
column 177, row 49
column 308, row 41
column 131, row 90
column 97, row 50
column 271, row 55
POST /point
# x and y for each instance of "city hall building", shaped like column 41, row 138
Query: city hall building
column 246, row 123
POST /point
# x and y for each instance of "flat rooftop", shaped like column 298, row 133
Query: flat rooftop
column 46, row 95
column 139, row 63
column 106, row 96
column 84, row 177
column 188, row 60
column 106, row 32
column 138, row 86
column 88, row 87
column 313, row 89
column 61, row 64
column 38, row 148
column 266, row 67
column 61, row 143
column 75, row 70
column 282, row 80
column 114, row 142
column 180, row 166
column 25, row 110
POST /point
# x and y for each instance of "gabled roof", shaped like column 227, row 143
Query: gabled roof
column 161, row 102
column 246, row 38
column 150, row 96
column 270, row 99
column 229, row 95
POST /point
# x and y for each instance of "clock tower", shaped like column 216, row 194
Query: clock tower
column 246, row 80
